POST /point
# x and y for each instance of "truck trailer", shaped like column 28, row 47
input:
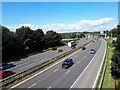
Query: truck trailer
column 72, row 43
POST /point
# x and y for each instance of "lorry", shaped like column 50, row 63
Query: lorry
column 72, row 43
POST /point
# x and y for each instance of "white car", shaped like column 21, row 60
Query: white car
column 92, row 51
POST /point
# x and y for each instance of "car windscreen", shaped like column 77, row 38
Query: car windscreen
column 65, row 64
column 92, row 49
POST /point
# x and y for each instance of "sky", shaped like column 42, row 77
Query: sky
column 60, row 16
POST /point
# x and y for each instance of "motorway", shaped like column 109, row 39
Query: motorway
column 82, row 74
column 29, row 62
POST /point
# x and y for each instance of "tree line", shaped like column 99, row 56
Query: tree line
column 115, row 64
column 25, row 40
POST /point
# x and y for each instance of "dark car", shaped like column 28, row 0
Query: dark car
column 73, row 47
column 4, row 74
column 67, row 63
column 93, row 41
column 54, row 48
column 5, row 66
column 60, row 50
column 83, row 48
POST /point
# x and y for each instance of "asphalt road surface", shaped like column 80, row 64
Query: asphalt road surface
column 27, row 63
column 82, row 73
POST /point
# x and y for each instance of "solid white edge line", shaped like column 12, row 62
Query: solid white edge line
column 99, row 69
column 45, row 69
column 85, row 68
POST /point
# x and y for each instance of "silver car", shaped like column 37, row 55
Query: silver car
column 92, row 51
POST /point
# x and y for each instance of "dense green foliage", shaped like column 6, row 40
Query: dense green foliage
column 25, row 41
column 53, row 38
column 115, row 65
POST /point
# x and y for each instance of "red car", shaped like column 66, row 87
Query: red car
column 60, row 50
column 4, row 74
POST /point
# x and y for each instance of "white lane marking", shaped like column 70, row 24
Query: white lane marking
column 29, row 87
column 99, row 70
column 48, row 88
column 32, row 85
column 37, row 59
column 67, row 71
column 19, row 65
column 55, row 70
column 76, row 56
column 85, row 69
column 46, row 69
column 27, row 65
column 78, row 62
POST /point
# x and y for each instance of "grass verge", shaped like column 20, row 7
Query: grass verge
column 108, row 79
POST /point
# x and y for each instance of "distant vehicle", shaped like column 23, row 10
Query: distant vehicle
column 72, row 43
column 5, row 66
column 93, row 41
column 92, row 51
column 73, row 47
column 60, row 50
column 67, row 63
column 83, row 48
column 54, row 48
column 4, row 74
column 100, row 40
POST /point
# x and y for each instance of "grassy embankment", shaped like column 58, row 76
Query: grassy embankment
column 109, row 82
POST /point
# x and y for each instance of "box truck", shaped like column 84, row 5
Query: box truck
column 72, row 43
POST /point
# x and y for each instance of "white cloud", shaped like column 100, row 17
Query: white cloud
column 80, row 26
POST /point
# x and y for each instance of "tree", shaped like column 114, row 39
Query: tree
column 24, row 35
column 53, row 38
column 115, row 69
column 38, row 39
column 9, row 43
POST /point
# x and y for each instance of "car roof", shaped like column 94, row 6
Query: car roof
column 3, row 71
column 68, row 59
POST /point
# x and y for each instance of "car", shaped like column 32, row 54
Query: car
column 5, row 66
column 93, row 41
column 4, row 74
column 83, row 48
column 54, row 48
column 73, row 47
column 67, row 63
column 92, row 51
column 60, row 50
